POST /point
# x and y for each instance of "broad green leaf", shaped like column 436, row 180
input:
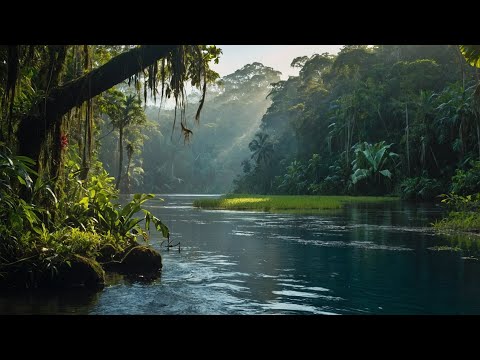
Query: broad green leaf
column 84, row 202
column 22, row 181
column 386, row 173
column 358, row 175
column 378, row 158
column 471, row 54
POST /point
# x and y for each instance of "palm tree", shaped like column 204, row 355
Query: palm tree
column 261, row 148
column 294, row 180
column 313, row 168
column 124, row 111
column 424, row 104
column 458, row 111
column 472, row 55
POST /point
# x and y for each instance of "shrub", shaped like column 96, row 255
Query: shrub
column 420, row 188
column 466, row 182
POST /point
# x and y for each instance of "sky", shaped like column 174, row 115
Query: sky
column 277, row 56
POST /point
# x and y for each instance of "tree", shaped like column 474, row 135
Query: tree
column 261, row 148
column 125, row 111
column 130, row 150
column 42, row 126
column 293, row 181
column 457, row 111
column 231, row 115
column 420, row 94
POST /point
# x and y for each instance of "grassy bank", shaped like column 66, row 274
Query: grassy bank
column 285, row 202
column 460, row 221
column 462, row 230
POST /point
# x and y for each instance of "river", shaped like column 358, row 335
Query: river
column 364, row 259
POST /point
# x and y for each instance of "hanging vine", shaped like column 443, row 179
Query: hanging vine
column 61, row 83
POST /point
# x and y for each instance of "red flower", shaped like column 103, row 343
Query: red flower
column 63, row 141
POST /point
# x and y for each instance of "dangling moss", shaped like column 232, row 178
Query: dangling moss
column 48, row 114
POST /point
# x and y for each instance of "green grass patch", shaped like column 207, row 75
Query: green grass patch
column 462, row 231
column 460, row 221
column 286, row 203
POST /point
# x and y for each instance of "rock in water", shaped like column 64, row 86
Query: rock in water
column 141, row 260
column 81, row 272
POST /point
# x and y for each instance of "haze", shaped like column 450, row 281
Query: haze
column 278, row 57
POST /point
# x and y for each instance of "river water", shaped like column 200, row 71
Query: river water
column 364, row 259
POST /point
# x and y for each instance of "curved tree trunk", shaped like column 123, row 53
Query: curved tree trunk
column 48, row 112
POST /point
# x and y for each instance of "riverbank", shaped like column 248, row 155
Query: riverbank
column 76, row 271
column 466, row 222
column 294, row 203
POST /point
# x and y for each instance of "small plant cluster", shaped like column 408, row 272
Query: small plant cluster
column 41, row 229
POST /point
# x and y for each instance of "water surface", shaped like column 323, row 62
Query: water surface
column 365, row 259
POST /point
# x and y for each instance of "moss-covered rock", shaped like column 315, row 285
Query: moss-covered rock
column 107, row 253
column 139, row 260
column 81, row 271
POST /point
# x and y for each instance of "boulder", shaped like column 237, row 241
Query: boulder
column 140, row 260
column 81, row 272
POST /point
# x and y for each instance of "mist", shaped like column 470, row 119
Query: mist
column 211, row 159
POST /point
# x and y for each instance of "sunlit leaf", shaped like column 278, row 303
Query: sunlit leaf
column 471, row 54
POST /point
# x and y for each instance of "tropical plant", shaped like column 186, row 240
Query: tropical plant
column 16, row 214
column 459, row 203
column 87, row 204
column 467, row 182
column 472, row 54
column 294, row 180
column 457, row 112
column 420, row 188
column 124, row 111
column 371, row 162
column 261, row 148
column 313, row 169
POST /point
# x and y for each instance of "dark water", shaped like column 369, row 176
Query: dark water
column 366, row 259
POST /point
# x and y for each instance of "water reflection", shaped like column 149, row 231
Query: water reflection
column 360, row 260
column 74, row 301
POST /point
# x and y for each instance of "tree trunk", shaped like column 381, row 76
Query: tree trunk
column 462, row 69
column 127, row 173
column 120, row 158
column 478, row 139
column 48, row 112
column 407, row 131
column 346, row 143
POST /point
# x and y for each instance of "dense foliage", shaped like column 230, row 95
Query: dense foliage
column 57, row 203
column 164, row 163
column 390, row 119
column 371, row 120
